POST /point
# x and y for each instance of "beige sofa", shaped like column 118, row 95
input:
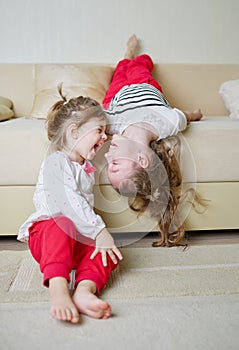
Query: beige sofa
column 210, row 162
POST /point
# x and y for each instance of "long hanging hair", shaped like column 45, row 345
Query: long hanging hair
column 158, row 191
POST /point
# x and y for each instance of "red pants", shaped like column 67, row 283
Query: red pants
column 54, row 246
column 135, row 71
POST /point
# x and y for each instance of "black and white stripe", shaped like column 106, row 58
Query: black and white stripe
column 136, row 96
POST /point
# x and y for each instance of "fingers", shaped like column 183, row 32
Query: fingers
column 118, row 253
column 112, row 256
column 103, row 254
column 95, row 252
column 104, row 258
column 113, row 253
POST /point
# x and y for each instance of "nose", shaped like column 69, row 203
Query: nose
column 104, row 136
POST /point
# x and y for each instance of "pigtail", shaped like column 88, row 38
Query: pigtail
column 59, row 89
column 53, row 115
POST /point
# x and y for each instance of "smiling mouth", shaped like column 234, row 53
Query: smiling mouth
column 97, row 146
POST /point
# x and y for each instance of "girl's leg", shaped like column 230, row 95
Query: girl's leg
column 140, row 71
column 119, row 79
column 135, row 71
column 51, row 243
column 91, row 277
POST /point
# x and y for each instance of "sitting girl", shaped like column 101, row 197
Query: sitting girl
column 65, row 233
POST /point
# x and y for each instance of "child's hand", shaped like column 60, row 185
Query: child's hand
column 106, row 245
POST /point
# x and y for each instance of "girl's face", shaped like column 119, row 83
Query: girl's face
column 89, row 138
column 122, row 159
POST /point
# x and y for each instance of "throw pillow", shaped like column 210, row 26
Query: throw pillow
column 77, row 79
column 6, row 111
column 229, row 91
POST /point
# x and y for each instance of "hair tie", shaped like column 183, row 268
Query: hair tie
column 153, row 197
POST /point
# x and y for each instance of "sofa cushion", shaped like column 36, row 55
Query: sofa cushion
column 209, row 152
column 229, row 91
column 77, row 79
column 214, row 143
column 24, row 145
column 6, row 111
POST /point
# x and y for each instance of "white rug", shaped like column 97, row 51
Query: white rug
column 144, row 272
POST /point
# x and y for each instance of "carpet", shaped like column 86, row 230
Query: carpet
column 143, row 273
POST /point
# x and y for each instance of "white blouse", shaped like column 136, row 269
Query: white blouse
column 144, row 103
column 64, row 188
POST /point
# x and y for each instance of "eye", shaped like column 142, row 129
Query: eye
column 101, row 130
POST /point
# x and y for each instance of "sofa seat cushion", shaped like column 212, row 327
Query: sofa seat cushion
column 213, row 144
column 209, row 152
column 24, row 145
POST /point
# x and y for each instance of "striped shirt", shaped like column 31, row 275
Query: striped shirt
column 143, row 103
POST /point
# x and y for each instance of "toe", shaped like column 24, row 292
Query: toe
column 75, row 316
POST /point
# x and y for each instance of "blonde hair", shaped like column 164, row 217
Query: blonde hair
column 158, row 190
column 78, row 110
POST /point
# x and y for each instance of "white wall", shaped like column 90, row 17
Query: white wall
column 172, row 31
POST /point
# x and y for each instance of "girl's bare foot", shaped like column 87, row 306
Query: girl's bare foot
column 62, row 306
column 131, row 47
column 88, row 303
column 193, row 116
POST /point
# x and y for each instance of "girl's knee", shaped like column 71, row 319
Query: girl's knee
column 145, row 60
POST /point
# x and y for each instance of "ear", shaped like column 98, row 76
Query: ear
column 143, row 160
column 73, row 131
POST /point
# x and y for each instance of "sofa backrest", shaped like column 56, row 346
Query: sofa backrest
column 17, row 84
column 186, row 86
column 189, row 86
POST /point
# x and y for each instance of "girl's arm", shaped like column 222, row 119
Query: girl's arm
column 62, row 197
